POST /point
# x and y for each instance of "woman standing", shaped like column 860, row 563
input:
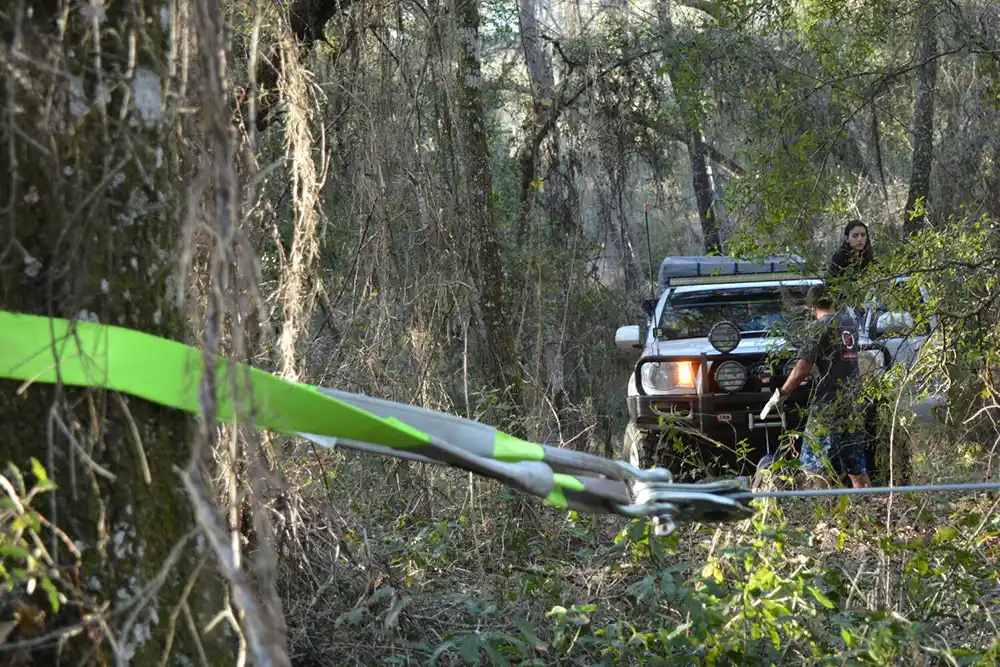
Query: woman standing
column 854, row 254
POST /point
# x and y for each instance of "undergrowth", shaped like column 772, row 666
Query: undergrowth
column 412, row 565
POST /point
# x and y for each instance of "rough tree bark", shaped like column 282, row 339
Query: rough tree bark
column 471, row 121
column 704, row 189
column 88, row 185
column 923, row 120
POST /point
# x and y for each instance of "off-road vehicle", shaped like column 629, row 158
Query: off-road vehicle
column 712, row 352
column 715, row 345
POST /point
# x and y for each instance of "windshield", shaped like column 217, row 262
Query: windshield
column 760, row 311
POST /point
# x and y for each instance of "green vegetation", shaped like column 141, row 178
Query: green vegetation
column 442, row 204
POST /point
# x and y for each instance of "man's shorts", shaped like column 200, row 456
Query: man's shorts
column 845, row 451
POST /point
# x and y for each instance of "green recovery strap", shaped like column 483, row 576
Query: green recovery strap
column 479, row 438
column 86, row 354
column 170, row 373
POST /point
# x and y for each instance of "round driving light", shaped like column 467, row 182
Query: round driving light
column 731, row 376
column 724, row 337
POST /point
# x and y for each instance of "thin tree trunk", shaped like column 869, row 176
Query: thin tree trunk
column 501, row 345
column 704, row 190
column 558, row 190
column 914, row 216
column 90, row 228
column 686, row 94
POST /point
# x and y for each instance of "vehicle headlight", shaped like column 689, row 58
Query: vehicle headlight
column 730, row 375
column 667, row 375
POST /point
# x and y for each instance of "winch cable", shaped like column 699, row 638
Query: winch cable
column 872, row 490
column 38, row 349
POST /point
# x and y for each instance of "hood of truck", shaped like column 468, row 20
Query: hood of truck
column 749, row 345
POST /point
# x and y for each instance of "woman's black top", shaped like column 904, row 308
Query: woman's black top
column 847, row 259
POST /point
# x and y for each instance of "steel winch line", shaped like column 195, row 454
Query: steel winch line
column 870, row 491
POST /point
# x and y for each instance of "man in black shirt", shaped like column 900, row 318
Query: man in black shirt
column 831, row 439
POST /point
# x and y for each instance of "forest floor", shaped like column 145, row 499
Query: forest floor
column 404, row 564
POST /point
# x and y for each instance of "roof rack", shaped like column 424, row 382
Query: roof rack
column 742, row 278
column 696, row 266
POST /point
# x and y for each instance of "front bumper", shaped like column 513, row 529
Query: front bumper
column 725, row 417
column 714, row 414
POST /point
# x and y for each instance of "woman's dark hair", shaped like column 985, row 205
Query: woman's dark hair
column 851, row 224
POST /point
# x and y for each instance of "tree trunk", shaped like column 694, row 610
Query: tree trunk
column 704, row 189
column 559, row 191
column 914, row 216
column 560, row 196
column 686, row 92
column 501, row 345
column 90, row 227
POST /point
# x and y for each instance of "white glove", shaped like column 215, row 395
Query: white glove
column 776, row 400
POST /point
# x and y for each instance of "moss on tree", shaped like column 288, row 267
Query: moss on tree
column 92, row 224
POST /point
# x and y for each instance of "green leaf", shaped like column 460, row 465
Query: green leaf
column 441, row 650
column 53, row 594
column 378, row 595
column 679, row 630
column 944, row 534
column 350, row 617
column 39, row 471
column 33, row 521
column 496, row 657
column 557, row 610
column 823, row 600
column 526, row 630
column 15, row 551
column 842, row 504
column 469, row 648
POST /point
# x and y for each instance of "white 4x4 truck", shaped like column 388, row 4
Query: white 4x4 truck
column 713, row 349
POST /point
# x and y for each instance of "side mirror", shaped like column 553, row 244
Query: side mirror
column 629, row 337
column 894, row 323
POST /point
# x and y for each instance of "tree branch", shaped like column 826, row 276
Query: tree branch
column 671, row 131
column 563, row 103
column 707, row 6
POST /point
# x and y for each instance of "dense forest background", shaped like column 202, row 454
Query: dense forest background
column 443, row 203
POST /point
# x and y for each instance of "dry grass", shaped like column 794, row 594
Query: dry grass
column 396, row 561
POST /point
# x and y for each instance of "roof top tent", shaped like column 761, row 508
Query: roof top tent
column 694, row 266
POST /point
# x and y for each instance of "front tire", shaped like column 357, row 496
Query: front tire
column 643, row 450
column 637, row 448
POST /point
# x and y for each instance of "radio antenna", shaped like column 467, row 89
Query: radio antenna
column 649, row 252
